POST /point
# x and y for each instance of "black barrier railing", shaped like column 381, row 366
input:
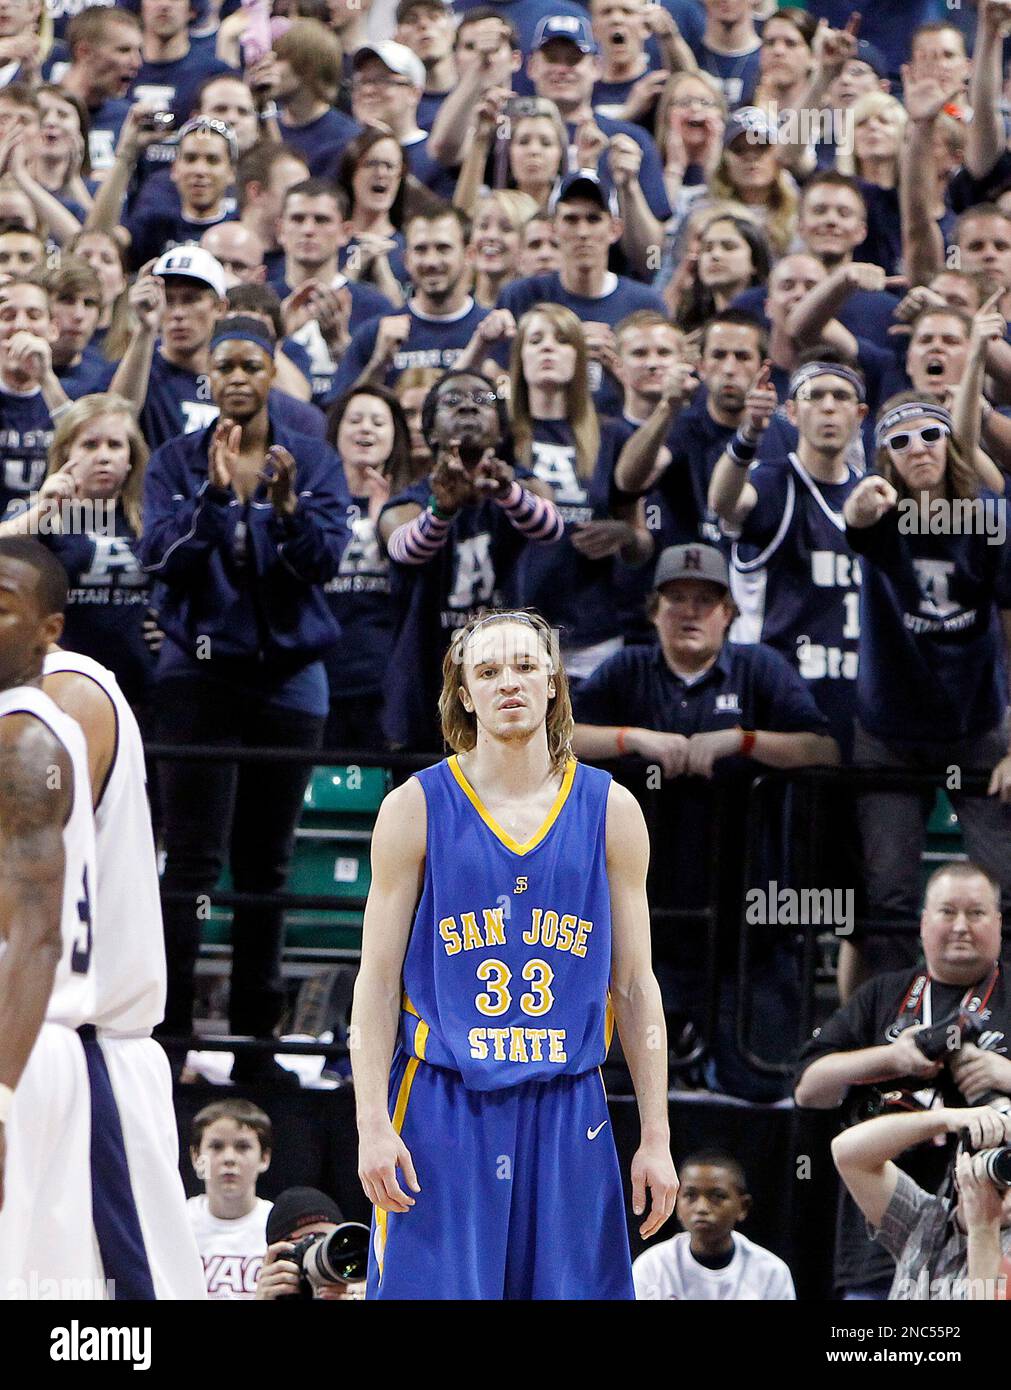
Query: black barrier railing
column 808, row 788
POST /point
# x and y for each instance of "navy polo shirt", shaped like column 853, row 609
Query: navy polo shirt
column 748, row 687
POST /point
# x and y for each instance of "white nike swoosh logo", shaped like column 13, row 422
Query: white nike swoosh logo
column 592, row 1133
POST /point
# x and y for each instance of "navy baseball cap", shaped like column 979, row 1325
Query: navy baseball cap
column 585, row 183
column 870, row 54
column 564, row 26
column 753, row 122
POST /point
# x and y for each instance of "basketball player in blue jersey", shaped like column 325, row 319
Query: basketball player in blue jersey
column 506, row 926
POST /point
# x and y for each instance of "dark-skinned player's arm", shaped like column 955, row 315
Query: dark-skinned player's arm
column 398, row 869
column 84, row 700
column 638, row 1009
column 36, row 796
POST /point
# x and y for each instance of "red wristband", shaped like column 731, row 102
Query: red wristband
column 748, row 737
column 620, row 742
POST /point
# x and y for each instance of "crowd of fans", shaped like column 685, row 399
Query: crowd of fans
column 324, row 326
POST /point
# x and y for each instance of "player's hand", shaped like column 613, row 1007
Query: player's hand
column 706, row 750
column 223, row 454
column 278, row 1277
column 908, row 1060
column 761, row 401
column 669, row 750
column 653, row 1168
column 279, row 475
column 381, row 1151
column 869, row 501
column 978, row 1070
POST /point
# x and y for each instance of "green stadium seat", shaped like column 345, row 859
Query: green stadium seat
column 943, row 820
column 329, row 866
column 346, row 790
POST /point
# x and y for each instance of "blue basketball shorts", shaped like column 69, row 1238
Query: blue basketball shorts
column 520, row 1197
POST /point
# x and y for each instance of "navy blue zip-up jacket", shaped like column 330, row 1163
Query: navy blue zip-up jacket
column 234, row 572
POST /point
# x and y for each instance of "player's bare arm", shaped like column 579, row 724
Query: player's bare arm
column 36, row 796
column 84, row 700
column 638, row 1010
column 398, row 868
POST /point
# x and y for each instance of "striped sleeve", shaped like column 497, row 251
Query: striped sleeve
column 538, row 519
column 416, row 541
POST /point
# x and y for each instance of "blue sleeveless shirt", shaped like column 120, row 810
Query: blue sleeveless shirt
column 507, row 968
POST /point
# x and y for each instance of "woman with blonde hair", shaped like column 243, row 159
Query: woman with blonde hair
column 748, row 171
column 930, row 686
column 496, row 241
column 531, row 155
column 558, row 435
column 88, row 512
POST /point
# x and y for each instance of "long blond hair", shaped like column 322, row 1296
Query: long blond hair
column 81, row 413
column 579, row 409
column 871, row 104
column 777, row 215
column 459, row 726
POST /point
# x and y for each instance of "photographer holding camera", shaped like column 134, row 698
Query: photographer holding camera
column 936, row 1036
column 312, row 1252
column 951, row 1246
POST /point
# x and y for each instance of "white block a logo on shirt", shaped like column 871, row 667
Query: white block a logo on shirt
column 554, row 464
column 932, row 577
column 474, row 579
column 197, row 415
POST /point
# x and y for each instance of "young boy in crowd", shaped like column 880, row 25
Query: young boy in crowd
column 710, row 1259
column 230, row 1146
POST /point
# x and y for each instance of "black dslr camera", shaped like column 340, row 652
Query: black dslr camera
column 338, row 1258
column 937, row 1042
column 942, row 1039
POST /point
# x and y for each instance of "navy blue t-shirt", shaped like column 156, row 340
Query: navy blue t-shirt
column 622, row 299
column 428, row 108
column 154, row 230
column 366, row 303
column 574, row 593
column 431, row 342
column 322, row 141
column 93, row 373
column 106, row 123
column 359, row 598
column 651, row 178
column 797, row 582
column 179, row 402
column 737, row 74
column 107, row 603
column 26, row 432
column 931, row 657
column 173, row 85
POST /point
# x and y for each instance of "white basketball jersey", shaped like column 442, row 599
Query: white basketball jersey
column 129, row 939
column 72, row 1001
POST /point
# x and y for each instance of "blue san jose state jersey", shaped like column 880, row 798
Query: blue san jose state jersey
column 507, row 969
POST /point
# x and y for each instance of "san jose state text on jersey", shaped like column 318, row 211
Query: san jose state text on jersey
column 506, row 973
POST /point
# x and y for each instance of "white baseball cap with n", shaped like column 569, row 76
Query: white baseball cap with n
column 397, row 57
column 192, row 263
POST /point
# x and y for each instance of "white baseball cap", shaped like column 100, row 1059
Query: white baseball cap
column 397, row 57
column 192, row 263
